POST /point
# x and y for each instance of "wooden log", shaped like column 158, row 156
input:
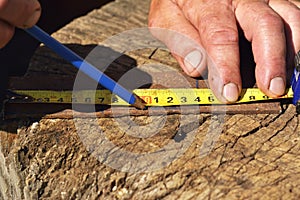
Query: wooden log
column 195, row 156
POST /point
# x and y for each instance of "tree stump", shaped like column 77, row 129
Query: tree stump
column 179, row 155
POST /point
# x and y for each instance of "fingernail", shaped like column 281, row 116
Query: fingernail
column 277, row 86
column 192, row 60
column 231, row 92
column 34, row 17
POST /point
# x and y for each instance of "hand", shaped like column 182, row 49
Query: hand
column 272, row 27
column 17, row 13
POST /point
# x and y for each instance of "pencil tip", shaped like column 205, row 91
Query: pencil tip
column 139, row 103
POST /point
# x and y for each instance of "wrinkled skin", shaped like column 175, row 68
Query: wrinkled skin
column 272, row 27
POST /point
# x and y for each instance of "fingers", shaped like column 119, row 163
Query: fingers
column 272, row 26
column 265, row 29
column 179, row 35
column 290, row 14
column 217, row 28
column 20, row 13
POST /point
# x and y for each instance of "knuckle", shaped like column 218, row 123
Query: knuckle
column 269, row 19
column 221, row 35
column 32, row 12
column 218, row 29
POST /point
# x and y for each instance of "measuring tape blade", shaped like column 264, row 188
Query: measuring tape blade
column 153, row 97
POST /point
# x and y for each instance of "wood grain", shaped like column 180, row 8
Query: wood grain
column 226, row 156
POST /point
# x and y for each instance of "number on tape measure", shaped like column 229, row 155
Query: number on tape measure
column 152, row 97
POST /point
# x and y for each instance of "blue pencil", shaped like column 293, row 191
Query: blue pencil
column 85, row 67
column 295, row 82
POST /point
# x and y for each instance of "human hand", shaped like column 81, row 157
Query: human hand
column 17, row 13
column 272, row 27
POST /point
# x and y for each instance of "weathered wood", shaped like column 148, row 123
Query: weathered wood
column 64, row 111
column 239, row 156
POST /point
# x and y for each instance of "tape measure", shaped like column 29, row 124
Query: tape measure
column 153, row 97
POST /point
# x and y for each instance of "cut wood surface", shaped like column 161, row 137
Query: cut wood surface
column 184, row 154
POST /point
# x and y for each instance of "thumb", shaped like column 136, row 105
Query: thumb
column 181, row 38
column 20, row 13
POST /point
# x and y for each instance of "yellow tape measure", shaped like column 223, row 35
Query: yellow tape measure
column 153, row 97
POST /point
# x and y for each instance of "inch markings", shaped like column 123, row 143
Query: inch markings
column 153, row 97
